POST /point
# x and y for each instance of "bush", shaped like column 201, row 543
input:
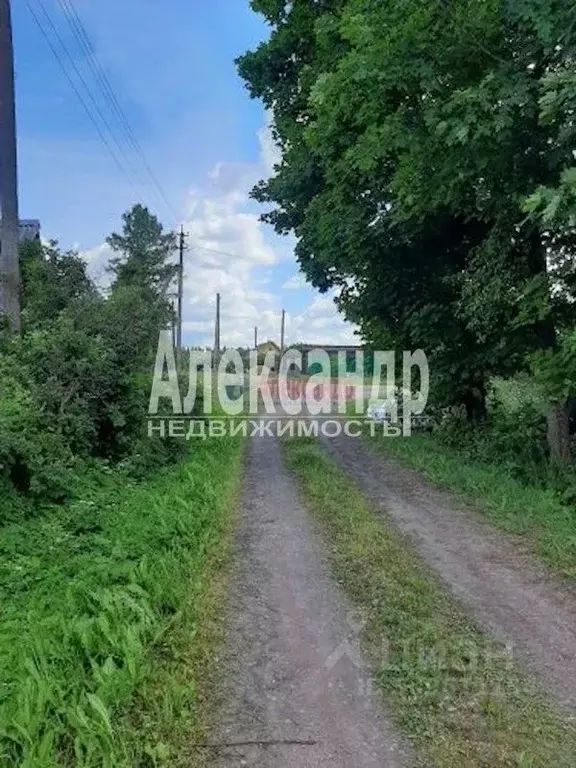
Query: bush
column 515, row 439
column 75, row 385
column 34, row 461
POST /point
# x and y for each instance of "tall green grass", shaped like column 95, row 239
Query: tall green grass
column 94, row 597
column 537, row 513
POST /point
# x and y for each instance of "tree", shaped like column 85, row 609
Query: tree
column 75, row 384
column 406, row 163
column 145, row 250
column 52, row 281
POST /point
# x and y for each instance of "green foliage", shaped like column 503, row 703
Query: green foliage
column 517, row 438
column 88, row 595
column 75, row 385
column 555, row 370
column 34, row 461
column 52, row 282
column 89, row 587
column 412, row 134
column 144, row 250
column 447, row 685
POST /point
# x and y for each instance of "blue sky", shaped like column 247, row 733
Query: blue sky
column 171, row 65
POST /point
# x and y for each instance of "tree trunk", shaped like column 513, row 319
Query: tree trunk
column 559, row 434
column 474, row 401
column 559, row 415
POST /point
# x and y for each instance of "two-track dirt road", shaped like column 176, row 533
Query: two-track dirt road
column 297, row 692
column 503, row 588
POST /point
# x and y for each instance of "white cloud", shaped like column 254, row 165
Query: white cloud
column 233, row 253
column 97, row 260
column 320, row 323
column 295, row 283
column 322, row 305
column 99, row 254
column 222, row 224
column 269, row 151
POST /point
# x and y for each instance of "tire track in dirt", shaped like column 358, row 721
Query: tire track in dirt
column 503, row 587
column 296, row 691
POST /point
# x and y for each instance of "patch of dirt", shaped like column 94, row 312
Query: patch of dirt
column 296, row 692
column 503, row 587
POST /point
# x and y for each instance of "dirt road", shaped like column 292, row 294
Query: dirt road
column 296, row 692
column 507, row 592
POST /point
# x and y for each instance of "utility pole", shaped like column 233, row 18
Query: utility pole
column 256, row 337
column 10, row 226
column 217, row 333
column 182, row 247
column 283, row 334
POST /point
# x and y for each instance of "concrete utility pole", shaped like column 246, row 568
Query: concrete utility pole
column 256, row 337
column 182, row 247
column 283, row 334
column 10, row 226
column 217, row 333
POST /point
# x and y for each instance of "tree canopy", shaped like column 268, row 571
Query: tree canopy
column 75, row 383
column 427, row 170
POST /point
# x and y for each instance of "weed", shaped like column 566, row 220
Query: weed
column 96, row 597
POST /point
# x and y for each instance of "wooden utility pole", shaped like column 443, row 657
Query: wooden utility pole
column 10, row 226
column 217, row 333
column 283, row 334
column 182, row 247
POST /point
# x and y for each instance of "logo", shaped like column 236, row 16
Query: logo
column 312, row 392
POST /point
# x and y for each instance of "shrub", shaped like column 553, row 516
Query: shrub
column 515, row 438
column 34, row 461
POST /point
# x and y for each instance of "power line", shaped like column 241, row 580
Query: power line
column 77, row 91
column 215, row 250
column 81, row 35
column 82, row 79
column 87, row 46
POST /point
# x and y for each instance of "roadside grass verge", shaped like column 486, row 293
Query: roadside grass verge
column 548, row 525
column 450, row 688
column 109, row 618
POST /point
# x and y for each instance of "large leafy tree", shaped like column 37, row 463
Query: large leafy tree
column 52, row 281
column 75, row 384
column 412, row 135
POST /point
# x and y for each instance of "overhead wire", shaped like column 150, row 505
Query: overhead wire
column 216, row 250
column 81, row 98
column 81, row 35
column 79, row 30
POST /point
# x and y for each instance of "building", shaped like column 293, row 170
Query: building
column 29, row 230
column 333, row 351
column 268, row 346
column 265, row 350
